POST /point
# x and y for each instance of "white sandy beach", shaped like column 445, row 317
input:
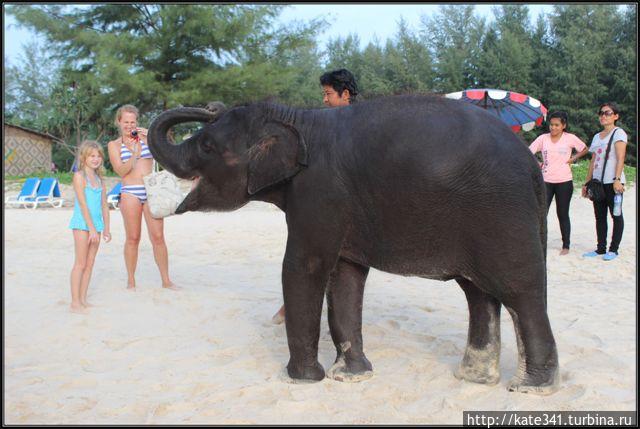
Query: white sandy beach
column 208, row 354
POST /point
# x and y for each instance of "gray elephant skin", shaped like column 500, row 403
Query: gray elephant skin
column 411, row 185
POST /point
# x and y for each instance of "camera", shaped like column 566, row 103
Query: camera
column 134, row 133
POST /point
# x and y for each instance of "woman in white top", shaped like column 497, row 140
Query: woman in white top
column 613, row 179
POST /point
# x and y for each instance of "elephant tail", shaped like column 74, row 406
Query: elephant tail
column 541, row 196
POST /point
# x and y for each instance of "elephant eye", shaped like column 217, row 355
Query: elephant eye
column 207, row 144
column 206, row 147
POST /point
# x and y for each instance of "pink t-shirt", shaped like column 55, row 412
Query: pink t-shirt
column 555, row 155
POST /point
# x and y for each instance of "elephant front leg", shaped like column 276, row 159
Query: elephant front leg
column 482, row 354
column 304, row 278
column 344, row 300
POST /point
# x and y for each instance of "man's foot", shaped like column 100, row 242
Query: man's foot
column 609, row 256
column 87, row 305
column 78, row 308
column 564, row 252
column 278, row 318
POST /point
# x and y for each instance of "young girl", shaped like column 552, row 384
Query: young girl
column 90, row 218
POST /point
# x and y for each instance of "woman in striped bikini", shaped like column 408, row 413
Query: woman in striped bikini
column 131, row 159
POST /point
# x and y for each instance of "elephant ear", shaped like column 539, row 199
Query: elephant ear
column 279, row 154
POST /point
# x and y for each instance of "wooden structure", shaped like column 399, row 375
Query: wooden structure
column 26, row 152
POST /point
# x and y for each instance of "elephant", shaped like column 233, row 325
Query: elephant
column 414, row 185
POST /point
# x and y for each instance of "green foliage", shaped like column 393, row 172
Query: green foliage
column 28, row 88
column 408, row 65
column 581, row 168
column 507, row 59
column 161, row 56
column 345, row 53
column 454, row 38
column 592, row 63
column 65, row 178
column 157, row 56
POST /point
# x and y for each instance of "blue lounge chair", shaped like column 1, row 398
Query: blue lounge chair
column 27, row 193
column 49, row 193
column 113, row 197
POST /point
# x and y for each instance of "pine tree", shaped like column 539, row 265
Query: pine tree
column 581, row 39
column 344, row 53
column 161, row 56
column 408, row 64
column 454, row 38
column 620, row 75
column 507, row 59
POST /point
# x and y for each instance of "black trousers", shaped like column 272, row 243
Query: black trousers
column 563, row 192
column 600, row 209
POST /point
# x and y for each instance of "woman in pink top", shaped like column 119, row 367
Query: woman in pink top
column 557, row 147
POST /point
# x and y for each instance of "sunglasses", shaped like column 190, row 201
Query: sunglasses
column 607, row 113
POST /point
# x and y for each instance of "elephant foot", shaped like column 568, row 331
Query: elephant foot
column 306, row 373
column 479, row 366
column 544, row 382
column 350, row 370
column 477, row 375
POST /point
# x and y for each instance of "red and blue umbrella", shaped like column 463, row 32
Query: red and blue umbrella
column 519, row 111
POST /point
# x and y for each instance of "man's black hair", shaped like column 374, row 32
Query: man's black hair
column 340, row 80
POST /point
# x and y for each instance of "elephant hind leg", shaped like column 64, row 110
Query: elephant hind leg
column 344, row 302
column 537, row 371
column 480, row 363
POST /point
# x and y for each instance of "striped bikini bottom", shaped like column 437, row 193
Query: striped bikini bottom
column 136, row 190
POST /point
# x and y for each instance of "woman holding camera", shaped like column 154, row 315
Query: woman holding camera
column 131, row 159
column 613, row 179
column 557, row 147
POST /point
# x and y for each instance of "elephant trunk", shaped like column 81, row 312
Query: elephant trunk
column 178, row 159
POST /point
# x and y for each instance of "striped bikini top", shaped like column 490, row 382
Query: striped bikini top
column 125, row 153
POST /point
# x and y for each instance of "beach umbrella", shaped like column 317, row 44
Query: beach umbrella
column 519, row 111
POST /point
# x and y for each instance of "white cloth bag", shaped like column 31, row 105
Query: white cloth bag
column 163, row 193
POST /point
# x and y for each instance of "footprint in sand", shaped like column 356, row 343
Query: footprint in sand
column 80, row 383
column 223, row 357
column 393, row 324
column 36, row 380
column 597, row 339
column 117, row 345
column 97, row 367
column 283, row 376
column 231, row 314
column 571, row 393
column 222, row 360
column 86, row 405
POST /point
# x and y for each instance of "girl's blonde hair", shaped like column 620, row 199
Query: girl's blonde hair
column 84, row 150
column 126, row 108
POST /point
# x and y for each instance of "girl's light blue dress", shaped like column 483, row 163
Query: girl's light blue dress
column 93, row 196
